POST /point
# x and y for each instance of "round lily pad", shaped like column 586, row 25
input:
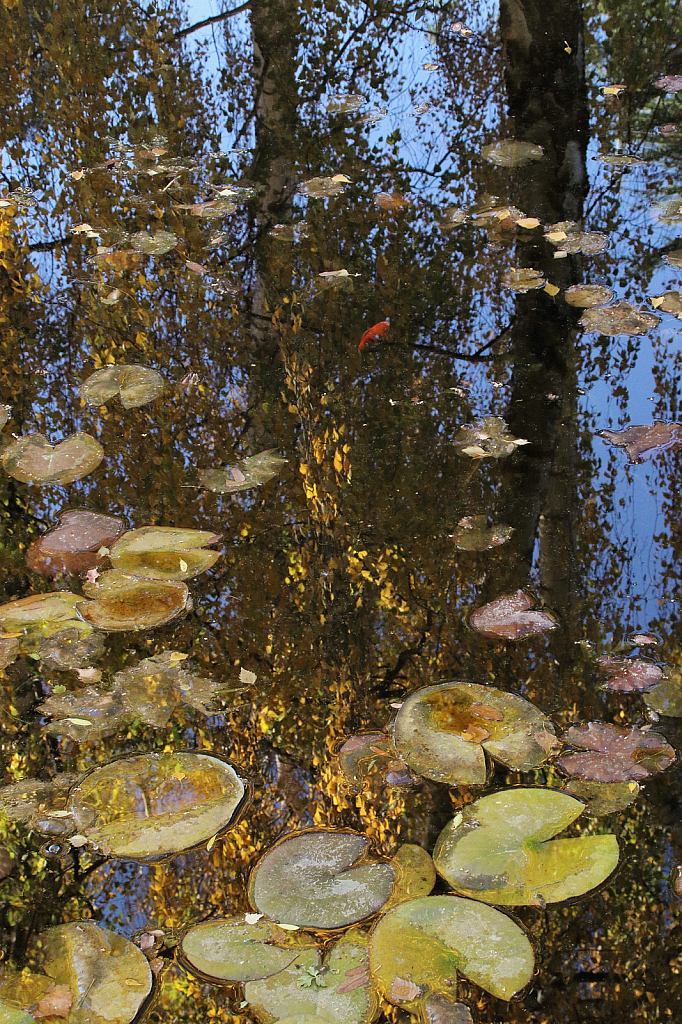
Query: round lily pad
column 120, row 602
column 155, row 244
column 320, row 188
column 666, row 698
column 320, row 880
column 164, row 553
column 73, row 545
column 475, row 533
column 253, row 471
column 500, row 849
column 136, row 385
column 152, row 805
column 512, row 153
column 415, row 873
column 603, row 797
column 418, row 948
column 232, row 950
column 444, row 731
column 42, row 615
column 33, row 459
column 585, row 296
column 523, row 279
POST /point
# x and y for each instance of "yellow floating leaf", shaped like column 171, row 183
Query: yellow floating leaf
column 528, row 222
column 656, row 300
column 614, row 90
column 551, row 289
column 556, row 236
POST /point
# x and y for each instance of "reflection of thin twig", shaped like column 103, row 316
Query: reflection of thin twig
column 181, row 33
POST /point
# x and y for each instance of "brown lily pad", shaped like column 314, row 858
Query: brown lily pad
column 639, row 440
column 164, row 553
column 511, row 617
column 669, row 302
column 610, row 753
column 523, row 279
column 669, row 83
column 120, row 602
column 620, row 318
column 488, row 437
column 73, row 545
column 33, row 459
column 629, row 674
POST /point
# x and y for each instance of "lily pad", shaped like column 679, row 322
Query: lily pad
column 666, row 697
column 152, row 689
column 120, row 602
column 619, row 160
column 70, row 649
column 669, row 302
column 674, row 258
column 501, row 849
column 151, row 805
column 345, row 103
column 75, row 544
column 254, row 471
column 155, row 244
column 320, row 880
column 475, row 533
column 523, row 279
column 590, row 243
column 368, row 754
column 136, row 385
column 487, row 437
column 418, row 948
column 610, row 753
column 627, row 674
column 232, row 950
column 444, row 731
column 669, row 83
column 33, row 459
column 415, row 874
column 439, row 1010
column 620, row 318
column 82, row 715
column 585, row 296
column 511, row 617
column 28, row 800
column 321, row 188
column 603, row 797
column 512, row 153
column 109, row 977
column 164, row 553
column 310, row 990
column 639, row 440
column 41, row 615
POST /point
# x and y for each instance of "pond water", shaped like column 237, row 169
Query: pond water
column 341, row 356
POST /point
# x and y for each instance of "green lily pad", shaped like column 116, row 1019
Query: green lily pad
column 418, row 947
column 443, row 732
column 488, row 437
column 335, row 990
column 500, row 849
column 603, row 797
column 321, row 188
column 73, row 545
column 136, row 385
column 164, row 553
column 523, row 279
column 155, row 244
column 475, row 533
column 251, row 472
column 152, row 805
column 109, row 978
column 41, row 615
column 666, row 697
column 33, row 459
column 320, row 880
column 512, row 153
column 232, row 950
column 415, row 874
column 584, row 296
column 120, row 602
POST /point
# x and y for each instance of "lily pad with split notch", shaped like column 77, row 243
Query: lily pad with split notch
column 253, row 471
column 628, row 674
column 609, row 753
column 233, row 950
column 603, row 798
column 444, row 732
column 120, row 602
column 523, row 279
column 33, row 459
column 42, row 615
column 666, row 697
column 74, row 545
column 501, row 849
column 418, row 948
column 149, row 806
column 511, row 617
column 135, row 385
column 320, row 879
column 164, row 553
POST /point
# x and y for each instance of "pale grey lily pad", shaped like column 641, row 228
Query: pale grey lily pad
column 669, row 211
column 136, row 385
column 666, row 697
column 120, row 602
column 345, row 103
column 585, row 296
column 70, row 649
column 152, row 689
column 233, row 950
column 320, row 188
column 488, row 437
column 418, row 948
column 82, row 715
column 511, row 617
column 603, row 798
column 501, row 849
column 620, row 318
column 164, row 553
column 619, row 160
column 512, row 153
column 523, row 279
column 590, row 243
column 33, row 459
column 109, row 977
column 475, row 533
column 310, row 990
column 253, row 471
column 443, row 732
column 153, row 244
column 148, row 806
column 321, row 880
column 439, row 1010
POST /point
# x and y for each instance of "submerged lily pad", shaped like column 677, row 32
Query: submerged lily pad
column 585, row 296
column 620, row 318
column 418, row 948
column 603, row 797
column 369, row 754
column 674, row 258
column 320, row 880
column 444, row 731
column 82, row 715
column 629, row 674
column 639, row 440
column 33, row 459
column 415, row 874
column 474, row 533
column 155, row 244
column 73, row 545
column 666, row 697
column 136, row 385
column 152, row 689
column 619, row 160
column 70, row 649
column 320, row 188
column 42, row 615
column 511, row 617
column 439, row 1010
column 30, row 799
column 501, row 849
column 151, row 805
column 610, row 753
column 487, row 437
column 590, row 243
column 669, row 83
column 253, row 471
column 512, row 153
column 120, row 602
column 523, row 279
column 232, row 950
column 164, row 553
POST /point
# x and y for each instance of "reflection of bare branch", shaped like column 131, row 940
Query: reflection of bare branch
column 181, row 33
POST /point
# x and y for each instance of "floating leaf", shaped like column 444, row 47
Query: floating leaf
column 254, row 471
column 620, row 318
column 603, row 797
column 488, row 436
column 669, row 83
column 427, row 941
column 443, row 732
column 154, row 244
column 670, row 302
column 73, row 545
column 511, row 617
column 474, row 533
column 619, row 160
column 639, row 440
column 152, row 689
column 136, row 385
column 365, row 755
column 670, row 210
column 28, row 800
column 232, row 950
column 120, row 602
column 614, row 754
column 391, row 201
column 439, row 1010
column 320, row 188
column 33, row 459
column 320, row 880
column 584, row 296
column 343, row 104
column 70, row 649
column 512, row 153
column 42, row 615
column 159, row 553
column 523, row 279
column 501, row 849
column 415, row 874
column 666, row 697
column 82, row 715
column 150, row 805
column 628, row 674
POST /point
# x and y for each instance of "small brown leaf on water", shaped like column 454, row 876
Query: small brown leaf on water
column 639, row 440
column 355, row 978
column 403, row 991
column 485, row 711
column 56, row 1002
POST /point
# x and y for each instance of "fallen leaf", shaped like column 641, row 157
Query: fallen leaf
column 56, row 1002
column 247, row 677
column 639, row 440
column 404, row 991
column 613, row 90
column 488, row 436
column 670, row 83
